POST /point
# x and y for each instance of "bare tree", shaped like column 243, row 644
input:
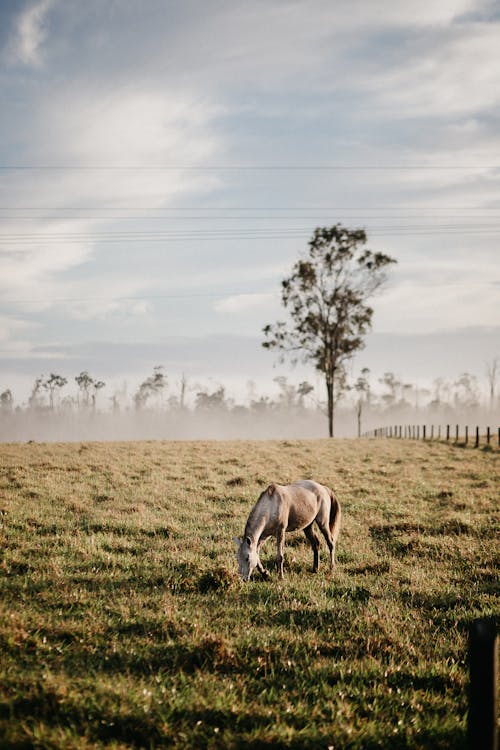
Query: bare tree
column 326, row 298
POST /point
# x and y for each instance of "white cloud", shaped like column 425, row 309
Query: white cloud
column 148, row 128
column 423, row 307
column 452, row 73
column 30, row 33
column 245, row 303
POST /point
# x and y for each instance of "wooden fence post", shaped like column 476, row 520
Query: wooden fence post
column 476, row 444
column 488, row 436
column 423, row 432
column 456, row 434
column 432, row 432
column 447, row 432
column 439, row 432
column 482, row 729
column 466, row 434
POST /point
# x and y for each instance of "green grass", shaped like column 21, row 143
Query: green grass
column 123, row 622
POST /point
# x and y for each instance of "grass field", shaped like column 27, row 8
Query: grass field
column 123, row 622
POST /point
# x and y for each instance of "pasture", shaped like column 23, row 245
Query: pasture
column 123, row 622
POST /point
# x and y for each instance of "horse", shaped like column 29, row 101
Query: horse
column 292, row 507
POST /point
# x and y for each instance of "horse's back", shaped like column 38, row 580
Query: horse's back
column 306, row 500
column 311, row 486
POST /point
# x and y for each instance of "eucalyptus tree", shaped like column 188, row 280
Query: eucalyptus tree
column 53, row 383
column 326, row 299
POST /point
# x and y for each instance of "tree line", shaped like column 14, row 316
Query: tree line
column 362, row 396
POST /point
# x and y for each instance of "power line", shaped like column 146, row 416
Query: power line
column 242, row 167
column 267, row 233
column 310, row 217
column 250, row 208
column 207, row 236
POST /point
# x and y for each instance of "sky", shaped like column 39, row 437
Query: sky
column 163, row 165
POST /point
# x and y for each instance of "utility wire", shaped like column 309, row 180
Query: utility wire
column 207, row 237
column 250, row 208
column 241, row 167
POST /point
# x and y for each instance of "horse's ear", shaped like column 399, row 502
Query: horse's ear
column 271, row 490
column 236, row 541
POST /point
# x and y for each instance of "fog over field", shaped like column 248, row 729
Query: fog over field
column 185, row 410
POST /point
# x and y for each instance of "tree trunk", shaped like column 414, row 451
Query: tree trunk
column 329, row 391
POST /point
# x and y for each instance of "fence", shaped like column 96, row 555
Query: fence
column 433, row 432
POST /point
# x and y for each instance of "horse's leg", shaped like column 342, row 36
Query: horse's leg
column 313, row 539
column 280, row 551
column 325, row 530
column 260, row 567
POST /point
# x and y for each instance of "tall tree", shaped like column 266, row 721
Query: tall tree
column 326, row 298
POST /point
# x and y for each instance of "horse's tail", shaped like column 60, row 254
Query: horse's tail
column 335, row 516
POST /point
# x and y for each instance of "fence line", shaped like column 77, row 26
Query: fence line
column 427, row 432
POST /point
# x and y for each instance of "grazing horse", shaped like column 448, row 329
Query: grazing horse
column 292, row 507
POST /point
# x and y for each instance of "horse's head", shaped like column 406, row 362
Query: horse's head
column 247, row 556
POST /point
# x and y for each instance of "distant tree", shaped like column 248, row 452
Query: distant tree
column 287, row 392
column 85, row 383
column 208, row 401
column 52, row 384
column 115, row 403
column 392, row 384
column 492, row 375
column 35, row 400
column 303, row 390
column 261, row 404
column 6, row 401
column 466, row 391
column 362, row 387
column 182, row 394
column 153, row 385
column 326, row 298
column 97, row 385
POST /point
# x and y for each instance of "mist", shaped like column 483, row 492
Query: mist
column 232, row 424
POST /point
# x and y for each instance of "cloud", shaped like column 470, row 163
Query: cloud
column 245, row 303
column 25, row 45
column 445, row 73
column 92, row 132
